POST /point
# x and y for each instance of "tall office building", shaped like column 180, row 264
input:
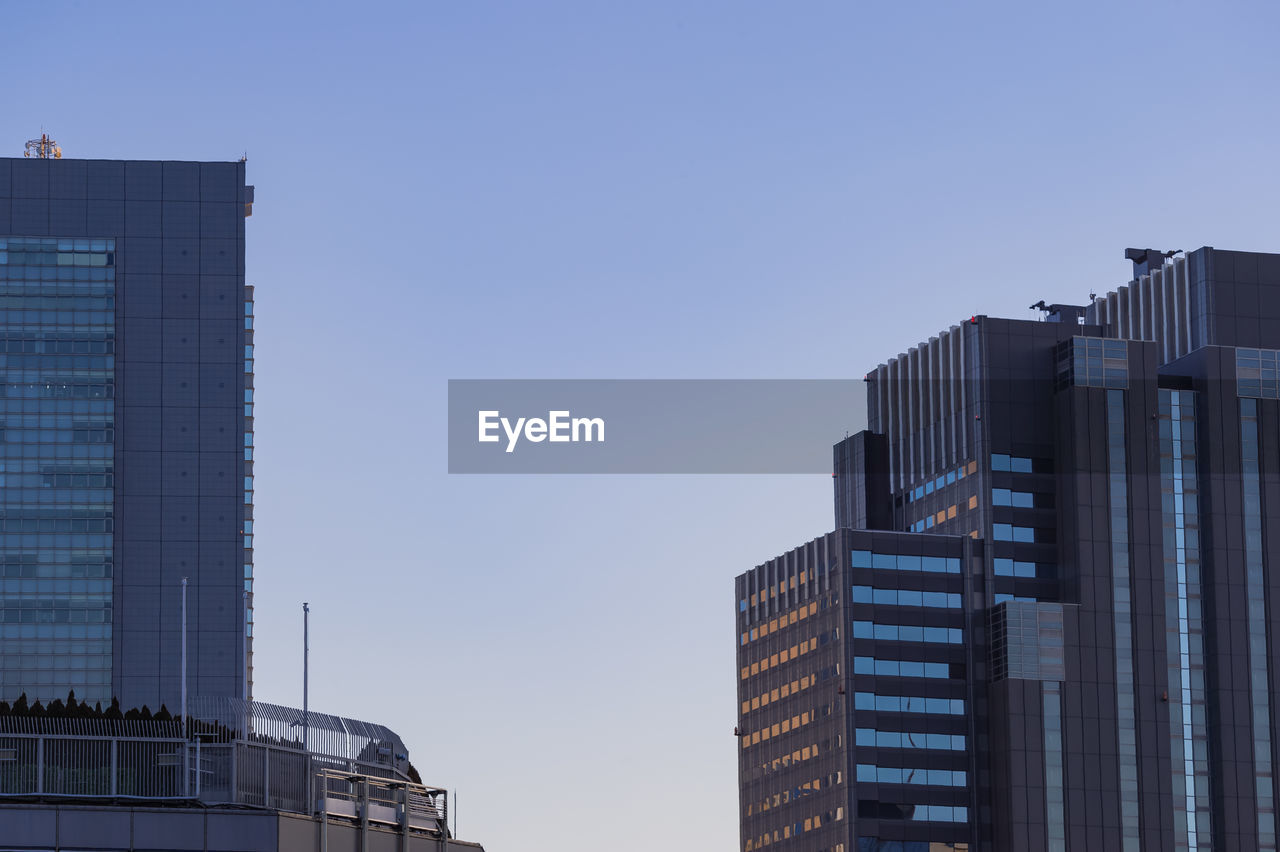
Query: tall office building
column 1045, row 619
column 126, row 371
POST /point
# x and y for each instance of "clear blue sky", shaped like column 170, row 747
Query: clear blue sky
column 634, row 190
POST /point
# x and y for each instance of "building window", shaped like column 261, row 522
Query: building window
column 1007, row 497
column 1256, row 619
column 1009, row 532
column 1184, row 625
column 1018, row 568
column 57, row 407
column 1054, row 789
column 1027, row 641
column 1126, row 720
column 901, row 668
column 903, row 562
column 905, row 597
column 1093, row 362
column 1013, row 464
column 908, row 704
column 1256, row 373
column 907, row 633
column 871, row 773
column 873, row 738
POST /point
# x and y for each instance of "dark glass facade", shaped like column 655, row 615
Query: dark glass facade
column 1096, row 668
column 126, row 429
column 57, row 324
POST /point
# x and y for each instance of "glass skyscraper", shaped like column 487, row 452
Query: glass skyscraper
column 1046, row 620
column 125, row 429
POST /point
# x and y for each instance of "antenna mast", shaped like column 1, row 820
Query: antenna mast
column 43, row 148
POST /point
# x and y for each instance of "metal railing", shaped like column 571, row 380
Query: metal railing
column 52, row 765
column 399, row 803
column 72, row 726
column 320, row 733
column 233, row 752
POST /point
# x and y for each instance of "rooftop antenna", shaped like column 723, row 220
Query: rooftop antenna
column 306, row 653
column 186, row 726
column 43, row 148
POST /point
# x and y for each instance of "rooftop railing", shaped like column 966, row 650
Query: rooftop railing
column 232, row 752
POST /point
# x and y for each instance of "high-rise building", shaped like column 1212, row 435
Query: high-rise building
column 1045, row 620
column 126, row 468
column 126, row 382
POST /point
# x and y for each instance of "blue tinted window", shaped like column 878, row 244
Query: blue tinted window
column 884, row 561
column 1256, row 621
column 912, row 597
column 905, row 597
column 58, row 340
column 909, row 775
column 908, row 704
column 901, row 668
column 889, row 631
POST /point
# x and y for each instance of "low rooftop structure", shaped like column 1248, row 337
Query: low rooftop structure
column 234, row 774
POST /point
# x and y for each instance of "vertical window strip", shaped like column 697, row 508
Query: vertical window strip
column 247, row 597
column 1257, row 626
column 1185, row 629
column 1122, row 612
column 1054, row 790
column 59, row 333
